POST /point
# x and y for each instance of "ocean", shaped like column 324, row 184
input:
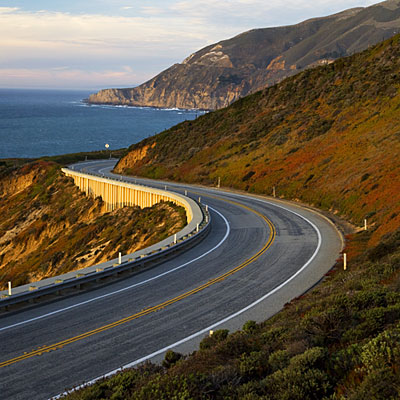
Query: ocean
column 35, row 123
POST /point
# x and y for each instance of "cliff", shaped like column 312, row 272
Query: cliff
column 219, row 74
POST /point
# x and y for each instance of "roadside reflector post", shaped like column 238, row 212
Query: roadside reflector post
column 219, row 182
column 175, row 239
column 274, row 191
column 206, row 219
column 9, row 289
column 119, row 258
column 211, row 333
column 197, row 228
column 199, row 199
column 185, row 192
column 207, row 207
column 345, row 261
column 365, row 225
column 165, row 187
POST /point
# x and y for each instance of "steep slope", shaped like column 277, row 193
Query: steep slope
column 221, row 73
column 328, row 136
column 49, row 227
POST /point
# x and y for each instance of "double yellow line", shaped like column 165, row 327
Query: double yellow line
column 60, row 345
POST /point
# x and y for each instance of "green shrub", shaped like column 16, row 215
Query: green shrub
column 279, row 360
column 382, row 351
column 217, row 337
column 171, row 358
column 250, row 326
column 304, row 378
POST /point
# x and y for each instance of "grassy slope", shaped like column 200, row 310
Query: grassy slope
column 330, row 137
column 49, row 227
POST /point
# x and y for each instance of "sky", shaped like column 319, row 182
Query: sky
column 95, row 44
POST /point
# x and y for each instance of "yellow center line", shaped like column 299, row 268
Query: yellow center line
column 60, row 345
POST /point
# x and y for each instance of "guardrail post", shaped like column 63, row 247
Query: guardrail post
column 9, row 289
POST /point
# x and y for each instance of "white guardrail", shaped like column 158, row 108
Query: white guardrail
column 190, row 235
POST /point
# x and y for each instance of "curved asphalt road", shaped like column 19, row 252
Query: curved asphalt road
column 259, row 252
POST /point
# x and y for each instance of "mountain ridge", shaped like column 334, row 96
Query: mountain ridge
column 223, row 72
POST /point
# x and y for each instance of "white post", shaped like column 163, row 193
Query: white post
column 206, row 219
column 365, row 225
column 207, row 207
column 211, row 333
column 219, row 182
column 119, row 258
column 165, row 187
column 274, row 191
column 185, row 192
column 197, row 228
column 199, row 199
column 9, row 289
column 344, row 261
column 175, row 239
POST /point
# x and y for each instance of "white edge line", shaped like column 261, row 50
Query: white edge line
column 228, row 230
column 188, row 338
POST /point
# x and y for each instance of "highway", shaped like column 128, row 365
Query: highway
column 259, row 254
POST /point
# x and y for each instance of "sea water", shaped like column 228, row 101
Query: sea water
column 35, row 123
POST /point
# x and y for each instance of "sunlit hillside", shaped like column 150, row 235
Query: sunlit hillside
column 48, row 227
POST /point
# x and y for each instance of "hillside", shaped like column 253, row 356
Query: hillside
column 219, row 74
column 328, row 136
column 48, row 227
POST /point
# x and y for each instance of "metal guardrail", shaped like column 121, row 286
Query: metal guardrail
column 153, row 255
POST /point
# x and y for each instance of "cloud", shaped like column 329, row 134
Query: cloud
column 260, row 12
column 55, row 31
column 7, row 10
column 65, row 77
column 148, row 38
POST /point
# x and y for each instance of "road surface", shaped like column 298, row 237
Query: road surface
column 259, row 254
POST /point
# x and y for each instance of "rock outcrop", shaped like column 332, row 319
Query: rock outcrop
column 219, row 74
